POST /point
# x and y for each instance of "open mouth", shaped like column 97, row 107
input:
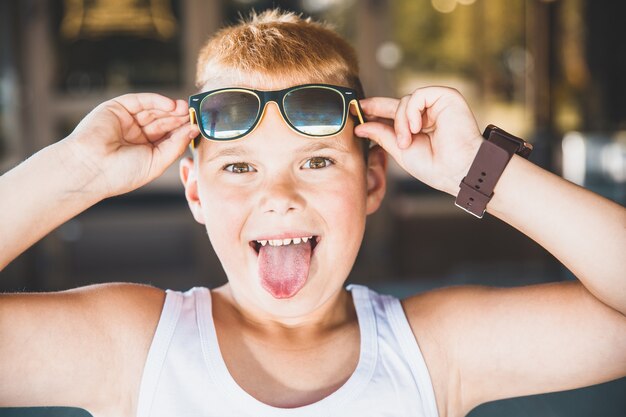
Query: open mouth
column 304, row 240
column 284, row 263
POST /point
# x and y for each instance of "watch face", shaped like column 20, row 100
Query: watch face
column 496, row 135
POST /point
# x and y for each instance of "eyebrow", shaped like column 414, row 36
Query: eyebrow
column 231, row 151
column 324, row 144
column 240, row 151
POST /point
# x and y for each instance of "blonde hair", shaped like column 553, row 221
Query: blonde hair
column 281, row 45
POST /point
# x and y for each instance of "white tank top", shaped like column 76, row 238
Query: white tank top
column 185, row 374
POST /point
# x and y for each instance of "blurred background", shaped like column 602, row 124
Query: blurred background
column 549, row 71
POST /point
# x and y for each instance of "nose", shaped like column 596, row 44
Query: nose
column 271, row 118
column 281, row 195
column 280, row 191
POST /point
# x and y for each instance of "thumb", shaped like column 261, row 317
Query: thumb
column 172, row 147
column 384, row 135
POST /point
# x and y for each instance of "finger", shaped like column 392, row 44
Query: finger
column 401, row 124
column 161, row 127
column 134, row 103
column 148, row 117
column 384, row 135
column 425, row 99
column 417, row 110
column 379, row 107
column 388, row 122
column 182, row 108
column 414, row 112
column 371, row 118
column 133, row 135
column 174, row 145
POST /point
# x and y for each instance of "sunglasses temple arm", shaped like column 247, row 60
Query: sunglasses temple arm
column 193, row 121
column 359, row 111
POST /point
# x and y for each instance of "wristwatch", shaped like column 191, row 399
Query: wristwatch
column 493, row 156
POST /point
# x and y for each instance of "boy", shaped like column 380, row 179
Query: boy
column 285, row 213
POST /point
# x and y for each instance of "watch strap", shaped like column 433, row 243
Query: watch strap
column 477, row 186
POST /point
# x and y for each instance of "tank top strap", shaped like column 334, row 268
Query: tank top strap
column 367, row 324
column 155, row 360
column 410, row 348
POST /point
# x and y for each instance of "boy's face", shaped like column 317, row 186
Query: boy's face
column 276, row 184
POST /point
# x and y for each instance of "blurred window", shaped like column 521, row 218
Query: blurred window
column 9, row 99
column 476, row 46
column 116, row 45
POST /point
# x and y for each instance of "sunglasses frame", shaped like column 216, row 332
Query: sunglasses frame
column 348, row 95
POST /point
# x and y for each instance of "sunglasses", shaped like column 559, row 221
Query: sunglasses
column 315, row 110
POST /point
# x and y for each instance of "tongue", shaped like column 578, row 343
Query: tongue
column 284, row 269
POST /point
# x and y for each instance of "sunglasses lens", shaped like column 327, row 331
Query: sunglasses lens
column 228, row 114
column 315, row 111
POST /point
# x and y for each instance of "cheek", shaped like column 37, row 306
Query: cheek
column 345, row 222
column 344, row 209
column 346, row 202
column 224, row 212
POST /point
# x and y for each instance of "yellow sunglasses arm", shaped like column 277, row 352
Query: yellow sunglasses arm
column 358, row 110
column 193, row 121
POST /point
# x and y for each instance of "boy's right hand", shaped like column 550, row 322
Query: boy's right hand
column 128, row 141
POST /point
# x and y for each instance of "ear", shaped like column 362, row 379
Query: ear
column 189, row 178
column 376, row 178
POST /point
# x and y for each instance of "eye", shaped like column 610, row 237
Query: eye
column 318, row 162
column 239, row 168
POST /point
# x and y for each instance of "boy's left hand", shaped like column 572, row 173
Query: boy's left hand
column 431, row 133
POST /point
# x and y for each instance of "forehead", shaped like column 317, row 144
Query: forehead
column 277, row 143
column 262, row 81
column 258, row 147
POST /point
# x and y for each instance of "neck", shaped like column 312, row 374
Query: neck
column 333, row 314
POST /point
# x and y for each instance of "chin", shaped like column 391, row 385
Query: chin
column 316, row 292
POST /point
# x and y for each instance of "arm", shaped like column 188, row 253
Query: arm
column 484, row 344
column 40, row 194
column 433, row 136
column 584, row 231
column 121, row 145
column 84, row 347
column 69, row 349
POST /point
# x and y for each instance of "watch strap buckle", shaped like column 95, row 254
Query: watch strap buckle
column 472, row 200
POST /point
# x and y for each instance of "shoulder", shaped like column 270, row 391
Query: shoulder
column 121, row 294
column 130, row 312
column 133, row 311
column 460, row 325
column 104, row 306
column 92, row 341
column 478, row 340
column 120, row 305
